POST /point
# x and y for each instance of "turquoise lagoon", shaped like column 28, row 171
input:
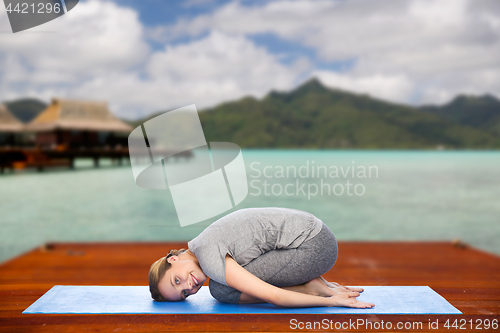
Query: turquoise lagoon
column 367, row 195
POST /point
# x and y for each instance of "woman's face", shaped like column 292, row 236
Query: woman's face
column 182, row 279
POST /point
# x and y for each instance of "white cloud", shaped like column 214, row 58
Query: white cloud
column 97, row 38
column 228, row 63
column 417, row 51
column 57, row 59
column 396, row 88
column 217, row 68
column 99, row 52
column 429, row 43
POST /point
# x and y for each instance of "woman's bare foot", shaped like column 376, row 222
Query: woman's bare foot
column 338, row 287
column 319, row 288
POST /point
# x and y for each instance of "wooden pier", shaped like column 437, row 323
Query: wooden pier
column 468, row 278
column 25, row 158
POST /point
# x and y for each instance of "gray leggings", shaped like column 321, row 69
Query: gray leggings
column 285, row 268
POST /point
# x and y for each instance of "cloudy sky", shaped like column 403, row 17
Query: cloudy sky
column 154, row 55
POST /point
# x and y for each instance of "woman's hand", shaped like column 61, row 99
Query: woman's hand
column 340, row 296
column 350, row 301
column 242, row 280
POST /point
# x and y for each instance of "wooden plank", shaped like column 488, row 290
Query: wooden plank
column 468, row 278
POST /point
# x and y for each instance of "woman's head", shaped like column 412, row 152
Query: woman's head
column 175, row 277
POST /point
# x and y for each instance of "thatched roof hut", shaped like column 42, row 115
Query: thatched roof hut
column 63, row 114
column 9, row 123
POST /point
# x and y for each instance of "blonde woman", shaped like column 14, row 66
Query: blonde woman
column 274, row 255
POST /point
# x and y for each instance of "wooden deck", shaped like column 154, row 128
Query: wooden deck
column 469, row 279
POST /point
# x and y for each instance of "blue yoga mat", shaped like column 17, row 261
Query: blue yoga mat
column 137, row 300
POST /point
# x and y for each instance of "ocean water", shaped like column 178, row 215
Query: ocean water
column 360, row 195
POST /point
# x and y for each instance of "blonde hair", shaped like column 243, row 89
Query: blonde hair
column 157, row 271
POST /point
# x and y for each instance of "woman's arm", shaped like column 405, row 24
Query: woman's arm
column 314, row 287
column 303, row 288
column 254, row 289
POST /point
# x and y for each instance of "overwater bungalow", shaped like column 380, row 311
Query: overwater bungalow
column 11, row 129
column 70, row 124
column 64, row 131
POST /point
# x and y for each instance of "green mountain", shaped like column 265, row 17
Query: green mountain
column 26, row 109
column 481, row 112
column 313, row 116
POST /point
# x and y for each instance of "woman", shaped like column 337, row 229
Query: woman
column 274, row 255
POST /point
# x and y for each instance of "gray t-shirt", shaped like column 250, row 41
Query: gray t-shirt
column 248, row 233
